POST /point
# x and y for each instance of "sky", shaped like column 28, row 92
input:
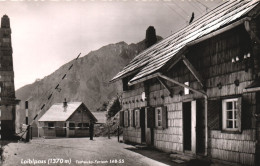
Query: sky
column 47, row 34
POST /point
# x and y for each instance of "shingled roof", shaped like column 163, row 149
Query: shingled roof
column 154, row 58
column 57, row 112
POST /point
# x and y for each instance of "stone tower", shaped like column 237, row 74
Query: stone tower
column 7, row 91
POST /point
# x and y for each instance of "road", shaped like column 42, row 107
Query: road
column 81, row 151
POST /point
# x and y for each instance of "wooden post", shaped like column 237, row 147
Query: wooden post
column 27, row 122
column 31, row 132
column 118, row 133
column 108, row 131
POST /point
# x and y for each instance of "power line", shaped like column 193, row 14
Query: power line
column 172, row 9
column 198, row 9
column 203, row 5
column 180, row 8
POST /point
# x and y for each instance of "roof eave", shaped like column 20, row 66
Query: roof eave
column 192, row 43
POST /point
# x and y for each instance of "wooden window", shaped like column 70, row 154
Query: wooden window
column 158, row 117
column 161, row 119
column 72, row 126
column 121, row 118
column 83, row 126
column 186, row 90
column 126, row 118
column 50, row 125
column 150, row 117
column 231, row 114
column 133, row 118
column 137, row 118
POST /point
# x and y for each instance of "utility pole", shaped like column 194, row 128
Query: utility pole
column 27, row 122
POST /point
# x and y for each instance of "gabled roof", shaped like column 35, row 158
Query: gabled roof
column 154, row 58
column 101, row 116
column 57, row 112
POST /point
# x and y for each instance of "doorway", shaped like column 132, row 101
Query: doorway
column 187, row 125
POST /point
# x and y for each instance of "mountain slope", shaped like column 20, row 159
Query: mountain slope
column 87, row 81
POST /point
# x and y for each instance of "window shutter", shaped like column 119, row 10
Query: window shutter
column 133, row 118
column 122, row 118
column 239, row 112
column 246, row 112
column 164, row 117
column 138, row 118
column 128, row 118
column 150, row 117
column 214, row 114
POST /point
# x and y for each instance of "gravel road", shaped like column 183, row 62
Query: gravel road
column 81, row 151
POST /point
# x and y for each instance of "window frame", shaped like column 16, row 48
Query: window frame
column 186, row 90
column 234, row 119
column 156, row 117
column 51, row 126
column 137, row 118
column 72, row 127
column 126, row 118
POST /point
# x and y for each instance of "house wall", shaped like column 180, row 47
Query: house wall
column 216, row 67
column 79, row 116
column 132, row 100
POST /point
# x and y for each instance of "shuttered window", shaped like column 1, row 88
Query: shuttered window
column 231, row 114
column 158, row 116
column 161, row 119
column 121, row 118
column 150, row 117
column 133, row 118
column 137, row 118
column 126, row 118
column 214, row 114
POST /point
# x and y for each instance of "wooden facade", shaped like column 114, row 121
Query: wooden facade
column 221, row 73
column 76, row 124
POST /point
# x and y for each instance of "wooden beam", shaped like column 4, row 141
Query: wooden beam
column 250, row 32
column 165, row 85
column 250, row 90
column 193, row 70
column 181, row 84
column 143, row 79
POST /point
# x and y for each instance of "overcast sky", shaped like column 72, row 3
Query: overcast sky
column 45, row 35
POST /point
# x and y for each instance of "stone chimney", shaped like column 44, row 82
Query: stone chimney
column 65, row 105
column 5, row 22
column 150, row 38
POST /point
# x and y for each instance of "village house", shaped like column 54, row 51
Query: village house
column 67, row 119
column 197, row 92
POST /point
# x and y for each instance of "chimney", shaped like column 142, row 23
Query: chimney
column 5, row 22
column 150, row 37
column 65, row 105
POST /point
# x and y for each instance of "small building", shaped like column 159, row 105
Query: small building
column 70, row 119
column 197, row 92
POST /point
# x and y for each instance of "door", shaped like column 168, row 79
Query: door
column 150, row 124
column 189, row 126
column 71, row 129
column 142, row 124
